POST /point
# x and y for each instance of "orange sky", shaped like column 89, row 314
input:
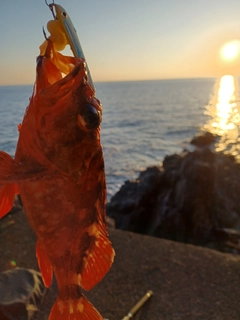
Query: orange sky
column 127, row 40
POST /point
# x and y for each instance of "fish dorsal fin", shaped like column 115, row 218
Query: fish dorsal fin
column 98, row 259
column 7, row 193
column 44, row 265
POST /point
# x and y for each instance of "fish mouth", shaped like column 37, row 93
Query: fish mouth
column 52, row 66
column 61, row 76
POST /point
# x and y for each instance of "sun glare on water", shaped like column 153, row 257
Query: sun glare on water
column 230, row 50
column 224, row 112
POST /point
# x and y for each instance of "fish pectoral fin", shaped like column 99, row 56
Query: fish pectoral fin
column 98, row 261
column 44, row 265
column 11, row 171
column 7, row 193
column 7, row 168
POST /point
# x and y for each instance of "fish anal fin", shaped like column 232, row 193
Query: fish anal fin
column 7, row 193
column 80, row 309
column 44, row 265
column 98, row 260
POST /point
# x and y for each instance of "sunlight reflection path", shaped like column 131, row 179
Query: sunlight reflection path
column 224, row 113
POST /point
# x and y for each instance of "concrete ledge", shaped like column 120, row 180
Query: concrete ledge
column 189, row 283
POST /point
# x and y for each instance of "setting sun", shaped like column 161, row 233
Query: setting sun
column 230, row 50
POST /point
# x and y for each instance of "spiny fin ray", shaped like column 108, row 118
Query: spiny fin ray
column 7, row 193
column 97, row 262
column 44, row 265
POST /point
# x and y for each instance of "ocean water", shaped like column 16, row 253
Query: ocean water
column 143, row 121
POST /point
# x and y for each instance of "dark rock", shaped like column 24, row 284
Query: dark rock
column 21, row 291
column 170, row 167
column 110, row 222
column 191, row 196
column 131, row 206
column 226, row 234
column 203, row 140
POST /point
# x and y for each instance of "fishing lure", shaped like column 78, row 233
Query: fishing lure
column 63, row 32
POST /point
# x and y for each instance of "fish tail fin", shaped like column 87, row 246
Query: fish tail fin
column 7, row 193
column 74, row 309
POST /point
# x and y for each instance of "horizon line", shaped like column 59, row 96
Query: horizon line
column 128, row 80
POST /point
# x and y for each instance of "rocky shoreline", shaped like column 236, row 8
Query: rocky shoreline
column 193, row 197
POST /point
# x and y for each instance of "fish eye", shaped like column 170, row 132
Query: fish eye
column 91, row 116
column 64, row 14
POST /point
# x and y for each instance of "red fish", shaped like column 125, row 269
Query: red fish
column 58, row 170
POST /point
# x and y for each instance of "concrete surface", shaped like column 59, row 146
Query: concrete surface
column 189, row 283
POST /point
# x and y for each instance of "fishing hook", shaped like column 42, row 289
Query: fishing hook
column 44, row 33
column 47, row 3
column 50, row 6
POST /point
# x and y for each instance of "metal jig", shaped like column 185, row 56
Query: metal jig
column 60, row 14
